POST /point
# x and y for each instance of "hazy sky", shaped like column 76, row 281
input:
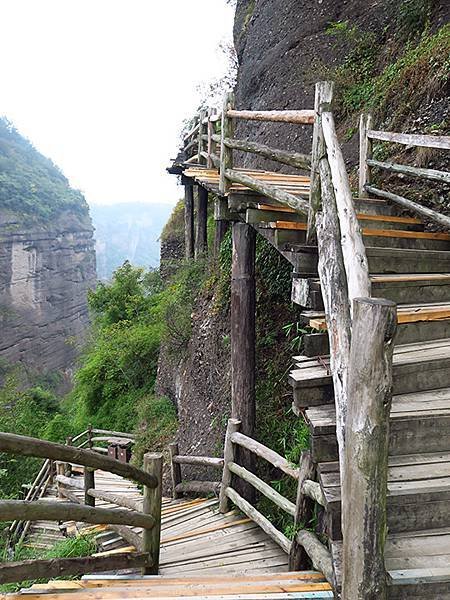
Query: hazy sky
column 102, row 86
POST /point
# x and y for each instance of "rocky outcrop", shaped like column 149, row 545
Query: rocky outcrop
column 45, row 272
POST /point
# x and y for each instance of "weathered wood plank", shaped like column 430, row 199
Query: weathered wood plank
column 408, row 139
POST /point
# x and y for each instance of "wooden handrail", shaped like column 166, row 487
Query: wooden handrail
column 28, row 446
column 264, row 452
column 114, row 433
column 205, row 461
column 303, row 117
column 441, row 142
column 432, row 174
column 293, row 159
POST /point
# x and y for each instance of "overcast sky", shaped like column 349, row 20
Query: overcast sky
column 102, row 86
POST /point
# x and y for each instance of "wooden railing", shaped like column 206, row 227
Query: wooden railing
column 33, row 508
column 180, row 487
column 367, row 163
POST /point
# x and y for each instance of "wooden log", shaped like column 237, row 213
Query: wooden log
column 301, row 117
column 70, row 482
column 364, row 488
column 409, row 204
column 89, row 484
column 313, row 490
column 365, row 153
column 216, row 138
column 198, row 487
column 335, row 297
column 269, row 190
column 175, row 470
column 432, row 174
column 119, row 499
column 210, row 142
column 80, row 435
column 127, row 533
column 119, row 434
column 263, row 487
column 100, row 449
column 215, row 160
column 259, row 519
column 16, row 572
column 204, row 461
column 408, row 139
column 304, row 513
column 59, row 473
column 202, row 115
column 39, row 510
column 89, row 436
column 201, row 234
column 189, row 221
column 152, row 506
column 323, row 97
column 233, row 426
column 353, row 249
column 243, row 339
column 318, row 553
column 28, row 446
column 226, row 154
column 191, row 132
column 293, row 159
column 262, row 451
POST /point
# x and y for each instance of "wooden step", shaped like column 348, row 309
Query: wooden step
column 418, row 564
column 417, row 367
column 419, row 421
column 418, row 493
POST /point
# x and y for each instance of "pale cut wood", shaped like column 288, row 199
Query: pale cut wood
column 318, row 553
column 270, row 455
column 293, row 159
column 323, row 96
column 233, row 426
column 204, row 461
column 28, row 446
column 175, row 470
column 82, row 434
column 365, row 153
column 198, row 487
column 353, row 249
column 264, row 488
column 414, row 206
column 408, row 139
column 226, row 154
column 69, row 567
column 431, row 174
column 152, row 506
column 314, row 491
column 118, row 434
column 364, row 488
column 114, row 498
column 60, row 511
column 303, row 117
column 259, row 519
column 269, row 190
column 336, row 299
column 304, row 512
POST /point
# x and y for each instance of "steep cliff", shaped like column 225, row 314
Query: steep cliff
column 47, row 260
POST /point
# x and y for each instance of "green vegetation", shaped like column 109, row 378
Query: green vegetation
column 30, row 183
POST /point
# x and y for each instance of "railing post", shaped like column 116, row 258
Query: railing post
column 68, row 466
column 364, row 487
column 201, row 116
column 60, row 470
column 228, row 456
column 365, row 152
column 201, row 234
column 90, row 442
column 211, row 145
column 153, row 464
column 175, row 470
column 304, row 510
column 89, row 483
column 323, row 94
column 226, row 154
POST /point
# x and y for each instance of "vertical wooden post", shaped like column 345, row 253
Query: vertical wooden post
column 243, row 304
column 365, row 152
column 364, row 488
column 202, row 115
column 60, row 470
column 189, row 221
column 228, row 456
column 89, row 483
column 175, row 470
column 211, row 145
column 323, row 95
column 201, row 237
column 151, row 540
column 304, row 511
column 90, row 442
column 226, row 154
column 68, row 466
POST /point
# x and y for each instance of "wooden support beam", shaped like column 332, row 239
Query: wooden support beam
column 304, row 513
column 201, row 236
column 243, row 338
column 293, row 159
column 152, row 506
column 226, row 154
column 175, row 470
column 323, row 98
column 364, row 488
column 318, row 553
column 189, row 221
column 233, row 426
column 221, row 228
column 69, row 567
column 65, row 511
column 365, row 153
column 28, row 446
column 89, row 484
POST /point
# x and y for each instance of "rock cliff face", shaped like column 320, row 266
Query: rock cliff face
column 45, row 272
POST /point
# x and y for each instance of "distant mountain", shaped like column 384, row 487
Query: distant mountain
column 127, row 231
